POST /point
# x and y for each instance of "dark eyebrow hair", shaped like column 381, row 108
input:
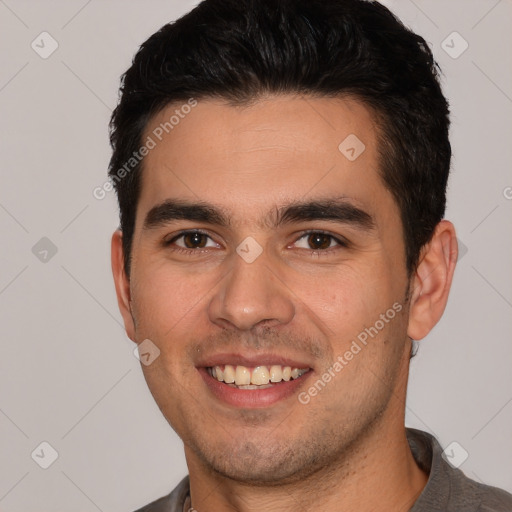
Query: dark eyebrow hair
column 337, row 210
column 178, row 209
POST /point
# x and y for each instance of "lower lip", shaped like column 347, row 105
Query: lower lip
column 252, row 398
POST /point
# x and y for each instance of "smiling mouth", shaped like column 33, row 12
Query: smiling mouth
column 257, row 377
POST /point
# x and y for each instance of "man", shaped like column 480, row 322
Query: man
column 281, row 168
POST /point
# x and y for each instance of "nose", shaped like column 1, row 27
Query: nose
column 252, row 294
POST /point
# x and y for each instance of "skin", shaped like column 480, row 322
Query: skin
column 346, row 449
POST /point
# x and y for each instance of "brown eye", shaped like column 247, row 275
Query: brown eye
column 195, row 240
column 190, row 240
column 318, row 241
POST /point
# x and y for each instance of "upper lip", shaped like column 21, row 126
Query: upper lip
column 250, row 360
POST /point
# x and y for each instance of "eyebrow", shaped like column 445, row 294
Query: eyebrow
column 340, row 210
column 178, row 209
column 337, row 210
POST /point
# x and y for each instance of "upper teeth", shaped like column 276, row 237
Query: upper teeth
column 259, row 375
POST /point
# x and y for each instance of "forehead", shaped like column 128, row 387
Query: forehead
column 249, row 158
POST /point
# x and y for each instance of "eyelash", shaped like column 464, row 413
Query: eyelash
column 341, row 241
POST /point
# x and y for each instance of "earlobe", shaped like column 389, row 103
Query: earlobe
column 122, row 283
column 432, row 281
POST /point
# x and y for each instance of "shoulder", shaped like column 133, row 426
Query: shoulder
column 488, row 498
column 160, row 505
column 173, row 502
column 448, row 489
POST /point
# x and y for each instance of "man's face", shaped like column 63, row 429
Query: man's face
column 292, row 248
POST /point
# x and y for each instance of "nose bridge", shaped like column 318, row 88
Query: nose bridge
column 251, row 294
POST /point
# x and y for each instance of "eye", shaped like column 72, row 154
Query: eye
column 318, row 241
column 192, row 240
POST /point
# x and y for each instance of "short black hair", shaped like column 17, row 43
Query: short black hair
column 240, row 50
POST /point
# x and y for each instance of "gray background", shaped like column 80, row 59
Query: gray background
column 67, row 372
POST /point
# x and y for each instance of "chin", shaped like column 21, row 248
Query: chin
column 265, row 463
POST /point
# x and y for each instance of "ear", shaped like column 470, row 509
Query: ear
column 122, row 283
column 432, row 281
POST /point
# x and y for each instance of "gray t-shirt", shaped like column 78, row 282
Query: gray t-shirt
column 447, row 489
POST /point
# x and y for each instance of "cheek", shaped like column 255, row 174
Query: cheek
column 346, row 300
column 164, row 298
